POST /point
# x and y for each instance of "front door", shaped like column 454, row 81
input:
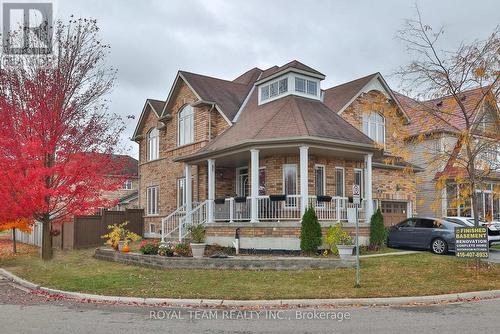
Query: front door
column 242, row 186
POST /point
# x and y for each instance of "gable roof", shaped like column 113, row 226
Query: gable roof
column 156, row 106
column 291, row 65
column 420, row 112
column 289, row 117
column 338, row 97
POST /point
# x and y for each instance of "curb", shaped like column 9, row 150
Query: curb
column 386, row 301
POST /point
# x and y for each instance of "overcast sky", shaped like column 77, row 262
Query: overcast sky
column 345, row 40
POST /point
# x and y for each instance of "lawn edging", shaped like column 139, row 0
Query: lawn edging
column 385, row 301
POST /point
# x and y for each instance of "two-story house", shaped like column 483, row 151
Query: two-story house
column 251, row 154
column 438, row 150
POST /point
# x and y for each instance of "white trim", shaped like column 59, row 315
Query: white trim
column 192, row 116
column 388, row 92
column 343, row 181
column 149, row 211
column 152, row 231
column 288, row 70
column 139, row 123
column 245, row 101
column 254, row 187
column 324, row 178
column 291, row 77
column 283, row 166
column 237, row 181
column 362, row 185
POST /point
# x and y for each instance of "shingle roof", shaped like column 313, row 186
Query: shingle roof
column 228, row 95
column 290, row 116
column 446, row 109
column 157, row 105
column 337, row 97
column 293, row 64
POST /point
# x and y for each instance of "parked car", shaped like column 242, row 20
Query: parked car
column 493, row 227
column 435, row 234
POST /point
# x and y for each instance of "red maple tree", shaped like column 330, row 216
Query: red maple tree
column 56, row 134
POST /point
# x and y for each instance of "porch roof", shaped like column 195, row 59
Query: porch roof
column 290, row 119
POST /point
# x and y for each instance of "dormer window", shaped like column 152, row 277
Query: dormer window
column 306, row 86
column 274, row 89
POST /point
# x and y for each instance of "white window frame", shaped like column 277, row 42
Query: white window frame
column 152, row 228
column 292, row 203
column 153, row 144
column 367, row 119
column 267, row 96
column 181, row 198
column 343, row 181
column 152, row 203
column 184, row 123
column 361, row 186
column 316, row 168
column 128, row 185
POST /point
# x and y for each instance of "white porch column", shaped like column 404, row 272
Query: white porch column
column 211, row 190
column 304, row 179
column 188, row 191
column 254, row 186
column 368, row 187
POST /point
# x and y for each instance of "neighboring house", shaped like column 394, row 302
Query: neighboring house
column 259, row 149
column 439, row 138
column 127, row 194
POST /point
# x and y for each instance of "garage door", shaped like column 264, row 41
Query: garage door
column 394, row 212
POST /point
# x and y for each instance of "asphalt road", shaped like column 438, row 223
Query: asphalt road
column 23, row 312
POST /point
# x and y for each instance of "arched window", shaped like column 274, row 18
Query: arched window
column 185, row 130
column 374, row 126
column 153, row 144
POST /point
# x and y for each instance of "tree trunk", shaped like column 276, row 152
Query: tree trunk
column 46, row 241
column 14, row 245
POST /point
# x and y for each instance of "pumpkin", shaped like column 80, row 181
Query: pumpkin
column 126, row 248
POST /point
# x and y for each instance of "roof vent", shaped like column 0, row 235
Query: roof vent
column 439, row 104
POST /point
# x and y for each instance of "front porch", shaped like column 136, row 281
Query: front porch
column 271, row 187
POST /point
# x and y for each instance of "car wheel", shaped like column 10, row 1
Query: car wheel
column 439, row 246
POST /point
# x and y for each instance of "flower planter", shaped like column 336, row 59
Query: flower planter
column 345, row 251
column 198, row 250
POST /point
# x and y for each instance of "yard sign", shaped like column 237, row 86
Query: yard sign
column 471, row 242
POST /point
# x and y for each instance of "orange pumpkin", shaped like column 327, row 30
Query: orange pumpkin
column 126, row 248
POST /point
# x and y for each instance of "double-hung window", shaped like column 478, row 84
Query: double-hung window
column 127, row 185
column 153, row 144
column 185, row 129
column 152, row 200
column 374, row 127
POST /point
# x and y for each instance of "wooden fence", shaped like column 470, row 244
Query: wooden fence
column 85, row 231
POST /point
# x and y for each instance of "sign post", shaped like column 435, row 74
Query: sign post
column 356, row 201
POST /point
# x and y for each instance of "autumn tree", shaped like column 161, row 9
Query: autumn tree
column 56, row 133
column 455, row 91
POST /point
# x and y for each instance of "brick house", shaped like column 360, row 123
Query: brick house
column 261, row 148
column 127, row 195
column 437, row 138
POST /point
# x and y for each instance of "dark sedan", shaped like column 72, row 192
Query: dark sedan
column 424, row 233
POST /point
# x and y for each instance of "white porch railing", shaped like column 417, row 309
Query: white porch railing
column 170, row 223
column 197, row 216
column 235, row 209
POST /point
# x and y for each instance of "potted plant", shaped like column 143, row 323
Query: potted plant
column 119, row 236
column 339, row 241
column 197, row 240
column 345, row 246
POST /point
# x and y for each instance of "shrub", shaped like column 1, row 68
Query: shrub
column 197, row 233
column 119, row 232
column 166, row 249
column 182, row 249
column 149, row 247
column 378, row 232
column 336, row 235
column 310, row 232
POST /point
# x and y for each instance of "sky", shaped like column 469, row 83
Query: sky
column 152, row 39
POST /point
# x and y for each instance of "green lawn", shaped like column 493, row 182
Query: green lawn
column 496, row 246
column 415, row 274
